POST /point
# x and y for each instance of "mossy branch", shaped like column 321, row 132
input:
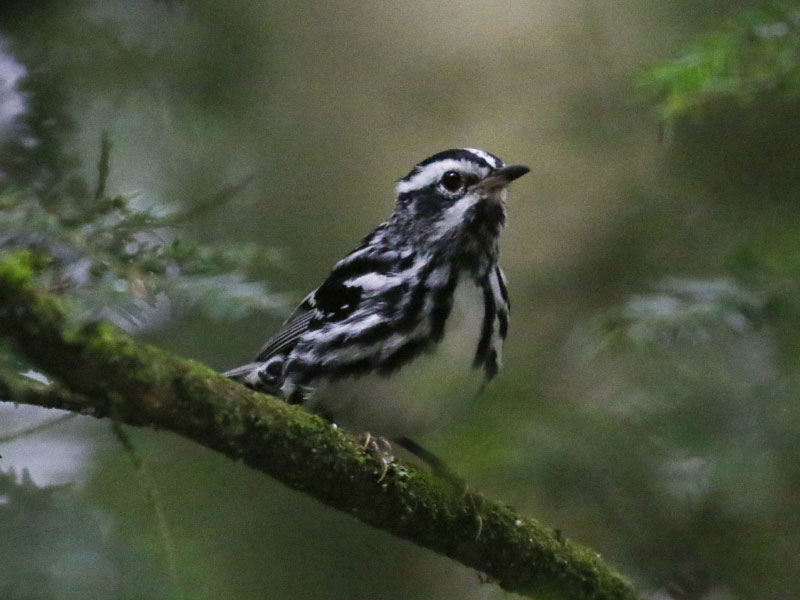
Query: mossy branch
column 108, row 374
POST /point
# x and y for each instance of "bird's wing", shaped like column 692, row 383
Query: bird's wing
column 334, row 300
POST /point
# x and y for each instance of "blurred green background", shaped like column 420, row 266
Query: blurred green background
column 648, row 405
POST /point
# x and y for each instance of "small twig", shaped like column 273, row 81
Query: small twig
column 149, row 485
column 10, row 437
column 15, row 389
column 102, row 166
column 204, row 205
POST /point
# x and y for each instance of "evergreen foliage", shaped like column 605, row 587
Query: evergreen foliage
column 128, row 259
column 131, row 266
column 755, row 56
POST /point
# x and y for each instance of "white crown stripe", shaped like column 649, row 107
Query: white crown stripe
column 492, row 160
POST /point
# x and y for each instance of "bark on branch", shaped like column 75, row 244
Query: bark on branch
column 104, row 373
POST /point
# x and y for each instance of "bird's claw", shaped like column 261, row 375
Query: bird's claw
column 477, row 502
column 381, row 450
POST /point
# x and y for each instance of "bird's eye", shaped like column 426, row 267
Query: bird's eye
column 452, row 181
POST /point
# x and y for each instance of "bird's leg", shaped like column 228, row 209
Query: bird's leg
column 380, row 449
column 437, row 464
column 474, row 499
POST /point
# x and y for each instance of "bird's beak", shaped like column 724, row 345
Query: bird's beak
column 500, row 178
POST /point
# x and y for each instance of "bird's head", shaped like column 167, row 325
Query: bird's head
column 456, row 196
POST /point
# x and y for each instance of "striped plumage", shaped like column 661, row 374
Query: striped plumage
column 424, row 285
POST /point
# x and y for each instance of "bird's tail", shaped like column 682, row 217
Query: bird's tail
column 240, row 373
column 254, row 376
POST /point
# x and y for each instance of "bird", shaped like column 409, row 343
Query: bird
column 421, row 304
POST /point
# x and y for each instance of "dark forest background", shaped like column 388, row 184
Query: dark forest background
column 649, row 401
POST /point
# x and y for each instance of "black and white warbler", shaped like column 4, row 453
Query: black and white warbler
column 421, row 299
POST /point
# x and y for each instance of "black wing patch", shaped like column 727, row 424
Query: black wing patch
column 335, row 300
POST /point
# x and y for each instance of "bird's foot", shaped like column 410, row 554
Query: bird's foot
column 381, row 450
column 476, row 501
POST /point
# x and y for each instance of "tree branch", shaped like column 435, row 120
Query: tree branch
column 110, row 375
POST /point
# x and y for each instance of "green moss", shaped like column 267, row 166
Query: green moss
column 17, row 268
column 104, row 338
